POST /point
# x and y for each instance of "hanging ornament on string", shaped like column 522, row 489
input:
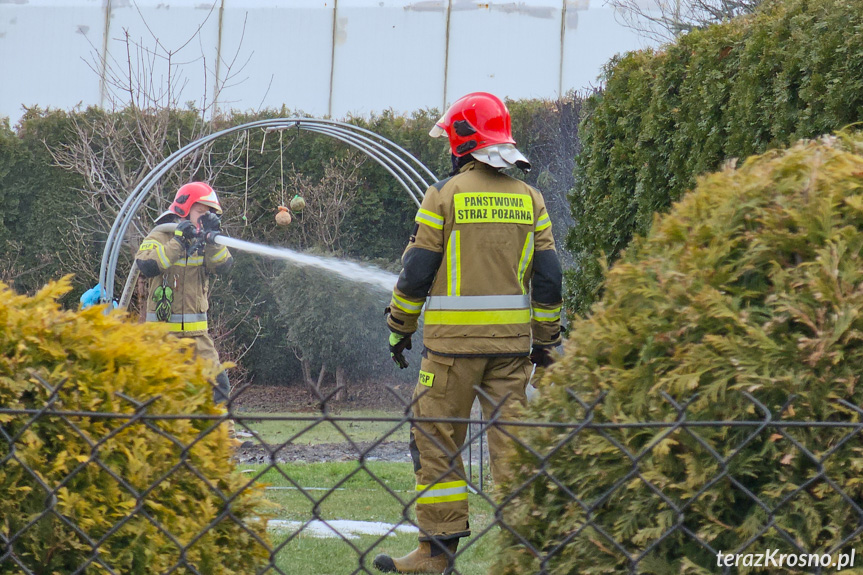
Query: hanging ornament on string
column 298, row 203
column 248, row 137
column 283, row 217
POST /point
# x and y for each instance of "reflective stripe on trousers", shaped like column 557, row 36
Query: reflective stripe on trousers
column 442, row 492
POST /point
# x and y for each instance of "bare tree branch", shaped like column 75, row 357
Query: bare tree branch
column 144, row 119
column 327, row 200
column 664, row 20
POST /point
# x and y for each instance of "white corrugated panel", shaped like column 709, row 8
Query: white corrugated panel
column 284, row 51
column 506, row 48
column 593, row 35
column 45, row 48
column 319, row 56
column 389, row 54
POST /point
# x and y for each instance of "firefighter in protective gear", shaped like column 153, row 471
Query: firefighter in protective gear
column 482, row 262
column 177, row 265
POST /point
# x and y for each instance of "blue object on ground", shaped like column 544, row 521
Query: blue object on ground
column 93, row 296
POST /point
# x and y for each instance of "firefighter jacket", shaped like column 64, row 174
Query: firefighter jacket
column 482, row 261
column 179, row 285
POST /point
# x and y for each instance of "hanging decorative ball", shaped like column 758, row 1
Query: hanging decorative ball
column 283, row 218
column 298, row 203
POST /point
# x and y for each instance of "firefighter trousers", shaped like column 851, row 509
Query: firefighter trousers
column 447, row 389
column 205, row 348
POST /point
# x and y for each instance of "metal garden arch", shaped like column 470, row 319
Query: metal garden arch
column 402, row 165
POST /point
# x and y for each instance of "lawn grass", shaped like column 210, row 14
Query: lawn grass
column 304, row 428
column 311, row 556
column 358, row 496
column 376, row 491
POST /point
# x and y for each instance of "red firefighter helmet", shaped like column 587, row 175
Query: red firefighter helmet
column 473, row 122
column 190, row 194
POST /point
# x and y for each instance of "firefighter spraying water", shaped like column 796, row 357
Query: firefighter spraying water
column 187, row 246
column 375, row 277
column 177, row 266
column 482, row 262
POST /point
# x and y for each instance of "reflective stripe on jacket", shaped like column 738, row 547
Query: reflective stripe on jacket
column 482, row 262
column 186, row 276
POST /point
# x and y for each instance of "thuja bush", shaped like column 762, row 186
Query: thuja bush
column 151, row 494
column 764, row 81
column 750, row 285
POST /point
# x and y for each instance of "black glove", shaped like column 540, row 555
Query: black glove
column 211, row 226
column 399, row 343
column 541, row 356
column 186, row 234
column 210, row 222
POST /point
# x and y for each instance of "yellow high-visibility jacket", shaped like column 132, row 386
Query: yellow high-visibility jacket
column 162, row 259
column 482, row 262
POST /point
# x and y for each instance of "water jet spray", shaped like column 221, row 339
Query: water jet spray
column 352, row 271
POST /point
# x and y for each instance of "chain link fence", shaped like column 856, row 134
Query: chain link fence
column 335, row 518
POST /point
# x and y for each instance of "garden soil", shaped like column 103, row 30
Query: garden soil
column 285, row 399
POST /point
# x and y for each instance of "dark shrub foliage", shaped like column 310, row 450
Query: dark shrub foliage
column 752, row 284
column 791, row 71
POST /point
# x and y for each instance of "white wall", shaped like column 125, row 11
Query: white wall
column 335, row 57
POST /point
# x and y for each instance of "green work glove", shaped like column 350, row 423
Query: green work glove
column 399, row 343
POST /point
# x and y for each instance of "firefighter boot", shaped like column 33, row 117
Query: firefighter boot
column 428, row 557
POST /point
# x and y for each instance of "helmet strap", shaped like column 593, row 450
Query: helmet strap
column 458, row 163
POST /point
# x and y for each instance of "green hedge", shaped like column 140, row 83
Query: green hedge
column 751, row 284
column 37, row 204
column 790, row 71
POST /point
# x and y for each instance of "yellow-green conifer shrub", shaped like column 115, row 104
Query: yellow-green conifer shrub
column 145, row 490
column 752, row 284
